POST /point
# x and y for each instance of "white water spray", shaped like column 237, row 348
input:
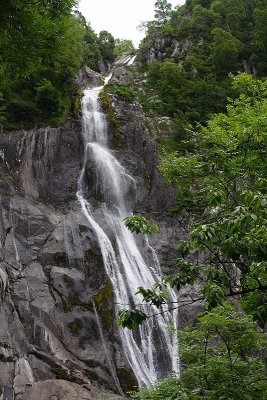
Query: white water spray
column 150, row 349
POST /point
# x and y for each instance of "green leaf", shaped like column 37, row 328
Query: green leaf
column 214, row 294
column 156, row 296
column 131, row 318
column 138, row 224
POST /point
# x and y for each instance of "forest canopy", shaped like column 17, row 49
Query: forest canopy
column 43, row 44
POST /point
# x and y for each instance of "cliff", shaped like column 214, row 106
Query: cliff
column 58, row 330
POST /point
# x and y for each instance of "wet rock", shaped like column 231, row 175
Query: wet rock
column 57, row 312
column 34, row 160
column 88, row 78
column 23, row 376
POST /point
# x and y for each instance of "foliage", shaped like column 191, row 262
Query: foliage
column 91, row 54
column 168, row 389
column 131, row 318
column 155, row 296
column 124, row 92
column 162, row 11
column 225, row 51
column 123, row 46
column 226, row 170
column 198, row 44
column 138, row 224
column 187, row 100
column 172, row 86
column 221, row 357
column 260, row 39
column 106, row 45
column 42, row 47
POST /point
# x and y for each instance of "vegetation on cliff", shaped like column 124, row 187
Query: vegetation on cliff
column 223, row 188
column 218, row 361
column 43, row 44
column 218, row 117
column 188, row 52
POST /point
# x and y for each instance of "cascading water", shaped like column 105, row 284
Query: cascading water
column 150, row 349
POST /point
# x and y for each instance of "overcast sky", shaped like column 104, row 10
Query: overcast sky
column 120, row 17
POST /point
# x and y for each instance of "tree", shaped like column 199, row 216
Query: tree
column 260, row 40
column 225, row 51
column 223, row 179
column 107, row 45
column 203, row 20
column 220, row 359
column 42, row 46
column 91, row 55
column 162, row 11
column 171, row 83
column 25, row 29
column 123, row 46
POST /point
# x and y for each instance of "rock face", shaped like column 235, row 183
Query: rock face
column 58, row 332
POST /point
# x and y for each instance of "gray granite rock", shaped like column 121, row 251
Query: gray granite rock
column 57, row 314
column 63, row 390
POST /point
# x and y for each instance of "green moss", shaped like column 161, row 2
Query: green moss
column 61, row 373
column 107, row 108
column 75, row 326
column 7, row 194
column 60, row 259
column 76, row 101
column 2, row 178
column 148, row 179
column 69, row 303
column 103, row 294
column 125, row 93
column 69, row 199
column 90, row 256
column 92, row 262
column 83, row 228
column 102, row 81
column 102, row 302
column 88, row 307
column 127, row 380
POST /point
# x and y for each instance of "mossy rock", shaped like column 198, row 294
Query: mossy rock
column 102, row 302
column 68, row 281
column 70, row 303
column 103, row 294
column 124, row 92
column 108, row 110
column 69, row 199
column 61, row 373
column 93, row 263
column 90, row 255
column 75, row 326
column 3, row 179
column 127, row 380
column 83, row 228
column 60, row 259
column 76, row 101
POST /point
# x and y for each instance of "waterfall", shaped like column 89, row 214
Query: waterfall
column 150, row 349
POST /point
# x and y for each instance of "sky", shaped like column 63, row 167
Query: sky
column 120, row 17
